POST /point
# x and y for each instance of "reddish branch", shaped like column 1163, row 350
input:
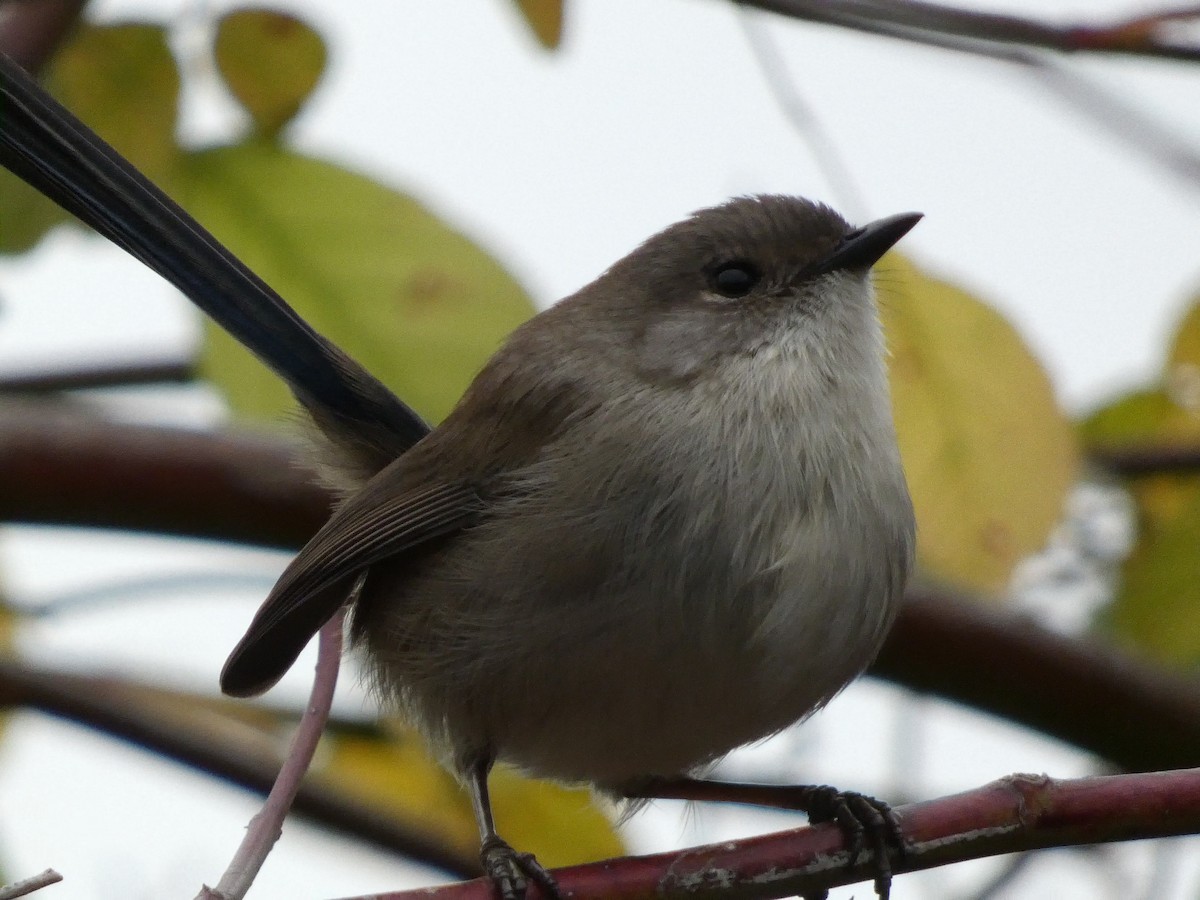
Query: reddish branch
column 1069, row 688
column 1021, row 812
column 59, row 465
column 962, row 29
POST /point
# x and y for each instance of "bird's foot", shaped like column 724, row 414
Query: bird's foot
column 864, row 821
column 510, row 872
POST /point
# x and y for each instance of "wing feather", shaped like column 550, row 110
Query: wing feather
column 376, row 524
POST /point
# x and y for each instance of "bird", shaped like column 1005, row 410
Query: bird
column 667, row 519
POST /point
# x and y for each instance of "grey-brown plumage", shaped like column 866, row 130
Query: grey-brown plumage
column 661, row 523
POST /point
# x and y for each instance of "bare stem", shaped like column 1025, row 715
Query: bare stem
column 266, row 827
column 27, row 886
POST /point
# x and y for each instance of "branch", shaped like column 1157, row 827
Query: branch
column 1014, row 814
column 31, row 32
column 131, row 713
column 1069, row 688
column 926, row 23
column 27, row 886
column 61, row 465
column 1132, row 462
column 1006, row 39
column 267, row 826
column 100, row 376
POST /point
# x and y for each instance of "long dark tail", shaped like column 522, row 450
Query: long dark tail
column 44, row 144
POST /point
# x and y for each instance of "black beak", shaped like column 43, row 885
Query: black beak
column 862, row 247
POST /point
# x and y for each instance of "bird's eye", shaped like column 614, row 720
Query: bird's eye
column 735, row 279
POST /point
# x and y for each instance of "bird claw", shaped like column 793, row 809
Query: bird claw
column 861, row 818
column 510, row 872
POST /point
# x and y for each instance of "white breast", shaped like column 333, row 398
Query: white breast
column 768, row 567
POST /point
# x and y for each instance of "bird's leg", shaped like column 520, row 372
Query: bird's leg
column 864, row 821
column 507, row 869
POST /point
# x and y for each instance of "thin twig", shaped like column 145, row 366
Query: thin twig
column 924, row 22
column 803, row 119
column 1120, row 119
column 102, row 376
column 266, row 827
column 27, row 886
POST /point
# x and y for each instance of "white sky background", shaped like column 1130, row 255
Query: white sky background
column 560, row 163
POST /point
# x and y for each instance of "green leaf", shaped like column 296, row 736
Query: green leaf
column 988, row 453
column 271, row 62
column 1182, row 373
column 417, row 303
column 1158, row 604
column 1148, row 417
column 25, row 215
column 1185, row 344
column 1157, row 607
column 122, row 81
column 395, row 772
column 1136, row 417
column 545, row 18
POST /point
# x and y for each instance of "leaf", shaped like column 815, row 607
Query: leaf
column 1158, row 604
column 271, row 62
column 1166, row 415
column 1182, row 373
column 559, row 825
column 562, row 826
column 1138, row 417
column 988, row 453
column 25, row 215
column 1185, row 344
column 396, row 773
column 545, row 17
column 413, row 300
column 122, row 81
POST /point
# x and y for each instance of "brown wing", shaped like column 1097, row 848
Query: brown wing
column 381, row 521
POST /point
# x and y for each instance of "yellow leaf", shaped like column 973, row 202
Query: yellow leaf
column 988, row 453
column 561, row 826
column 545, row 17
column 409, row 297
column 271, row 61
column 395, row 772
